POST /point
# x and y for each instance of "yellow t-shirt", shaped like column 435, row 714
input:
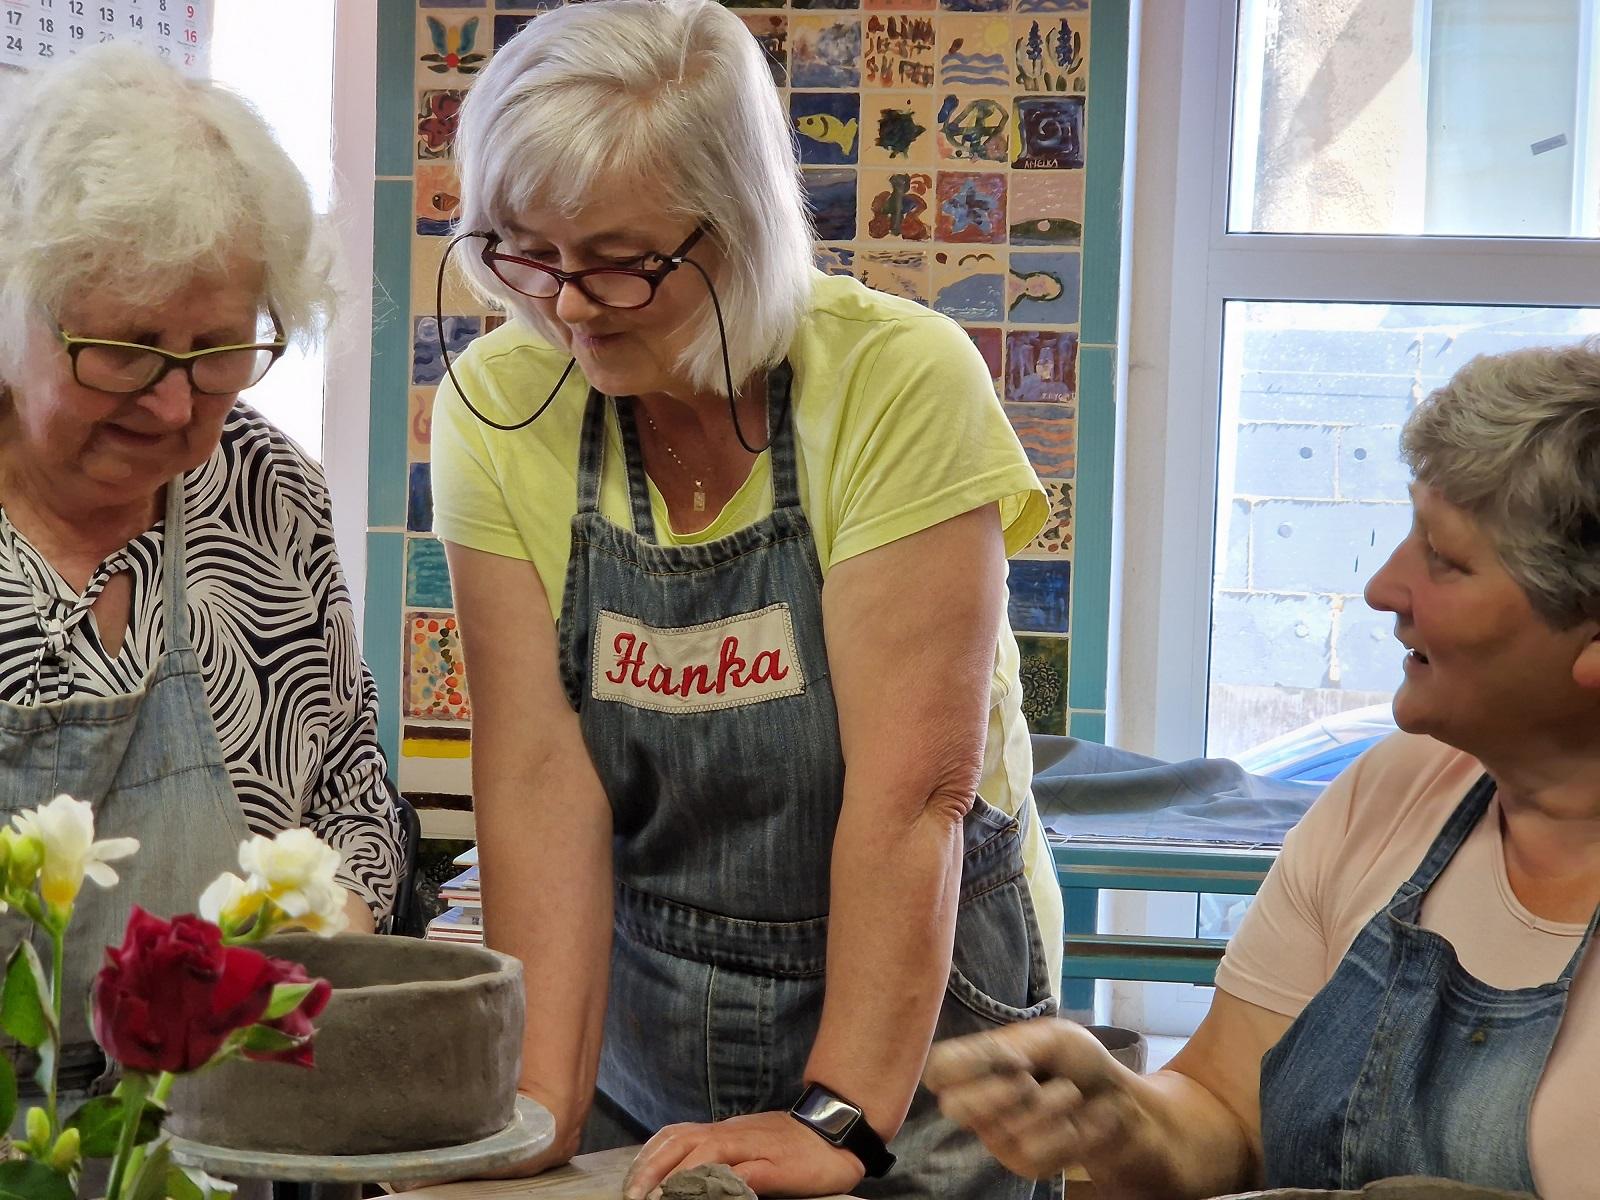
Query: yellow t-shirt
column 897, row 428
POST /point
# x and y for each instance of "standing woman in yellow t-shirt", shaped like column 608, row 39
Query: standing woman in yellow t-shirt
column 754, row 813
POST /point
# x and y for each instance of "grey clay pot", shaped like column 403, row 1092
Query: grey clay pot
column 419, row 1047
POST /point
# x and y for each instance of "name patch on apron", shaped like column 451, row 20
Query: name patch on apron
column 697, row 668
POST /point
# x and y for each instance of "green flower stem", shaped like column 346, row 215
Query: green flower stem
column 164, row 1082
column 135, row 1087
column 58, row 943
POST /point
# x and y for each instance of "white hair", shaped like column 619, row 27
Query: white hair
column 672, row 93
column 120, row 175
column 1514, row 440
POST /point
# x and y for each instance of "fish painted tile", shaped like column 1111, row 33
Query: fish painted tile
column 971, row 207
column 438, row 198
column 895, row 205
column 828, row 125
column 1043, row 289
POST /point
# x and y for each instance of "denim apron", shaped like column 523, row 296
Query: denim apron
column 700, row 676
column 1405, row 1064
column 150, row 765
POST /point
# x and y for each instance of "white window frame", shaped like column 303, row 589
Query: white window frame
column 1184, row 268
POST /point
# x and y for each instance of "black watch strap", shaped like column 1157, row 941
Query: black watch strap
column 840, row 1123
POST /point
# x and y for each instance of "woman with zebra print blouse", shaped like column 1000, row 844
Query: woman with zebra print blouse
column 177, row 645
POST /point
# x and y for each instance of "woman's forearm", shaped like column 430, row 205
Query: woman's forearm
column 890, row 930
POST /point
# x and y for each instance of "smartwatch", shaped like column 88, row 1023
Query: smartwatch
column 840, row 1123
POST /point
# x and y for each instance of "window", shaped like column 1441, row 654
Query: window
column 1356, row 199
column 283, row 64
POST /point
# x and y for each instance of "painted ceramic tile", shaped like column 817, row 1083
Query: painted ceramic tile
column 969, row 284
column 898, row 51
column 419, row 498
column 1046, row 208
column 1047, row 52
column 898, row 272
column 894, row 204
column 450, row 3
column 751, row 3
column 438, row 112
column 828, row 125
column 1041, row 368
column 1048, row 432
column 897, row 129
column 825, row 4
column 419, row 425
column 1043, row 289
column 989, row 343
column 426, row 255
column 1039, row 595
column 835, row 260
column 772, row 31
column 508, row 26
column 975, row 6
column 1077, row 6
column 1049, row 133
column 974, row 52
column 975, row 128
column 831, row 196
column 1044, row 682
column 451, row 46
column 438, row 198
column 971, row 207
column 824, row 52
column 903, row 5
column 1056, row 536
column 426, row 365
column 436, row 679
column 542, row 5
column 427, row 576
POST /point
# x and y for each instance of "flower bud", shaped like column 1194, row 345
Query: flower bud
column 65, row 1155
column 38, row 1127
column 27, row 856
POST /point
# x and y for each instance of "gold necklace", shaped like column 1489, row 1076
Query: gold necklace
column 699, row 485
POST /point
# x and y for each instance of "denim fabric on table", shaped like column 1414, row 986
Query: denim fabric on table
column 725, row 810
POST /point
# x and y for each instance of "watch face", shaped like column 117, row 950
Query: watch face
column 826, row 1113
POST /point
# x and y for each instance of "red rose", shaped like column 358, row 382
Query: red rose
column 169, row 998
column 297, row 1022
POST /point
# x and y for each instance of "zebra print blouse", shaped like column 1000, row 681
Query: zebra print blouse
column 295, row 707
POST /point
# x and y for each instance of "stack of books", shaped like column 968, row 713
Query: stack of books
column 462, row 921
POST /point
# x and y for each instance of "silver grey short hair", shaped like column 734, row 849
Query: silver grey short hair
column 1514, row 439
column 120, row 175
column 675, row 94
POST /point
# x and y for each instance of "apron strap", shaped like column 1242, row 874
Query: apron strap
column 591, row 453
column 644, row 521
column 174, row 570
column 1462, row 822
column 780, row 423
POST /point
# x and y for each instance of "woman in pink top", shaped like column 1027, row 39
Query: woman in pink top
column 1410, row 993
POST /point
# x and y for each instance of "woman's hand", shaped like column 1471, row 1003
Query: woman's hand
column 771, row 1151
column 1042, row 1095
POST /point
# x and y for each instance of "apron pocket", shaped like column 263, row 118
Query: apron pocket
column 998, row 969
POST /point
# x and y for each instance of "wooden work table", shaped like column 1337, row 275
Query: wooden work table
column 587, row 1177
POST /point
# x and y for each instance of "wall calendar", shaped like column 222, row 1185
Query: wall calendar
column 35, row 33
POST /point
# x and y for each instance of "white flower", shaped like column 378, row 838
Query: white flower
column 295, row 870
column 65, row 828
column 229, row 900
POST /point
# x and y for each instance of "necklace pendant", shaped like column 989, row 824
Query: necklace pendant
column 699, row 500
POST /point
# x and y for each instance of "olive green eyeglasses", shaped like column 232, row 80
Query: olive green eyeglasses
column 125, row 367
